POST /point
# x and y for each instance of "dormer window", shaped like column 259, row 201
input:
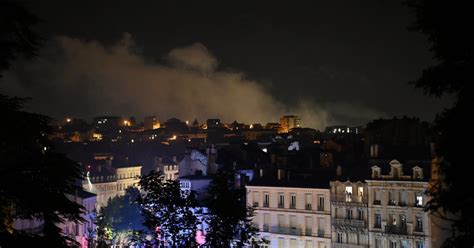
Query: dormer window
column 396, row 169
column 417, row 173
column 375, row 172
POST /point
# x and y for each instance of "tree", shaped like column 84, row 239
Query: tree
column 168, row 211
column 229, row 219
column 34, row 179
column 121, row 217
column 448, row 27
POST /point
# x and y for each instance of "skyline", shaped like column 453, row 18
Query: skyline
column 328, row 63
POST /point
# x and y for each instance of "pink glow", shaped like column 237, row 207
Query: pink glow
column 84, row 242
column 200, row 237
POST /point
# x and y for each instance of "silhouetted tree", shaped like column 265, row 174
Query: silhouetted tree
column 34, row 179
column 448, row 26
column 229, row 218
column 120, row 216
column 168, row 211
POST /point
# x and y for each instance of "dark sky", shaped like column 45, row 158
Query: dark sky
column 352, row 59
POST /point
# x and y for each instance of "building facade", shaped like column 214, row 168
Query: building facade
column 349, row 214
column 290, row 216
column 289, row 122
column 395, row 205
column 111, row 182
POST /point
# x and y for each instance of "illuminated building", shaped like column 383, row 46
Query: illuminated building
column 108, row 182
column 151, row 122
column 288, row 122
column 291, row 216
column 396, row 200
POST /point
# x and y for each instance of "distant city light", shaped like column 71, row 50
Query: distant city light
column 68, row 120
column 187, row 122
column 133, row 141
column 251, row 126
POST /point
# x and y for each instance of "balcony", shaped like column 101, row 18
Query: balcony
column 396, row 229
column 255, row 204
column 321, row 233
column 286, row 230
column 292, row 206
column 308, row 232
column 418, row 229
column 266, row 204
column 349, row 198
column 392, row 203
column 377, row 202
column 308, row 207
column 320, row 208
column 348, row 222
column 281, row 205
column 341, row 245
column 378, row 225
column 266, row 228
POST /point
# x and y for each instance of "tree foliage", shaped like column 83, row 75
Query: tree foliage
column 229, row 218
column 448, row 27
column 121, row 217
column 168, row 211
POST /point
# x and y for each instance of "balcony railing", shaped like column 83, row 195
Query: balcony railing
column 377, row 202
column 396, row 229
column 266, row 228
column 341, row 245
column 266, row 204
column 255, row 204
column 308, row 206
column 320, row 208
column 418, row 229
column 378, row 225
column 292, row 206
column 392, row 203
column 286, row 230
column 349, row 198
column 308, row 232
column 347, row 222
column 320, row 233
column 281, row 205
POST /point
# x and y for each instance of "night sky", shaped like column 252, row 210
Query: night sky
column 332, row 62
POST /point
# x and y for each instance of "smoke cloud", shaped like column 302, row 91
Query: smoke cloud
column 80, row 78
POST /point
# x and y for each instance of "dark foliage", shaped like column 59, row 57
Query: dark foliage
column 230, row 220
column 168, row 212
column 448, row 26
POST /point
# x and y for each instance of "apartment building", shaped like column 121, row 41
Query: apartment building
column 396, row 197
column 291, row 216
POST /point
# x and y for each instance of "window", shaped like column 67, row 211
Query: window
column 377, row 197
column 403, row 198
column 308, row 225
column 361, row 214
column 293, row 221
column 348, row 193
column 321, row 203
column 308, row 244
column 281, row 200
column 266, row 199
column 419, row 244
column 419, row 224
column 321, row 224
column 349, row 214
column 391, row 198
column 393, row 244
column 404, row 244
column 308, row 201
column 266, row 222
column 293, row 201
column 378, row 221
column 77, row 230
column 419, row 200
column 403, row 220
column 378, row 243
column 255, row 199
column 281, row 242
column 339, row 238
column 281, row 221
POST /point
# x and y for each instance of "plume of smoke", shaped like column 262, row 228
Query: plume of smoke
column 73, row 77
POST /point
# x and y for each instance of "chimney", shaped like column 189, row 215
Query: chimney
column 174, row 159
column 338, row 170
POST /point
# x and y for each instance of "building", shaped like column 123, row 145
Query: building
column 288, row 122
column 349, row 214
column 83, row 232
column 108, row 182
column 396, row 197
column 151, row 122
column 291, row 216
column 213, row 123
